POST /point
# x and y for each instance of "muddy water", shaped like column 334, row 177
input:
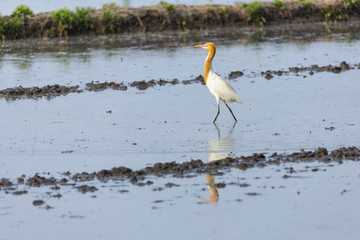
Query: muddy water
column 90, row 131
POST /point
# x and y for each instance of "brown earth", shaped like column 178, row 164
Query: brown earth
column 181, row 170
column 184, row 18
column 51, row 91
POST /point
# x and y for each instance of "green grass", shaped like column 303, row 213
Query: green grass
column 108, row 20
column 22, row 11
column 83, row 19
column 109, row 5
column 64, row 20
column 256, row 12
column 2, row 27
column 224, row 10
column 169, row 6
column 15, row 27
column 331, row 13
column 351, row 4
column 279, row 4
column 308, row 3
column 183, row 24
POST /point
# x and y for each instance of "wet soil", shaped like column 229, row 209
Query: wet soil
column 344, row 66
column 181, row 17
column 190, row 169
column 48, row 91
column 51, row 91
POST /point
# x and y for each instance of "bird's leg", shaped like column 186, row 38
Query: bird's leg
column 217, row 113
column 230, row 111
column 217, row 129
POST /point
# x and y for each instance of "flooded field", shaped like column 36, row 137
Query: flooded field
column 53, row 148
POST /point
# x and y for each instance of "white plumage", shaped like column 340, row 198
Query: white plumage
column 217, row 85
column 220, row 89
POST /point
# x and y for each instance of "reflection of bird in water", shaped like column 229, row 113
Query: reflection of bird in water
column 216, row 85
column 217, row 147
column 214, row 197
column 216, row 152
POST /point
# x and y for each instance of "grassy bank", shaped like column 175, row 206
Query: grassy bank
column 23, row 23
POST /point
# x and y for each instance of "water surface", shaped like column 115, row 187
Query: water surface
column 77, row 132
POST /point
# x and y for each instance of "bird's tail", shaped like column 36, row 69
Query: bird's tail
column 238, row 100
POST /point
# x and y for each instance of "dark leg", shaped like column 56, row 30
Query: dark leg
column 217, row 113
column 217, row 129
column 231, row 111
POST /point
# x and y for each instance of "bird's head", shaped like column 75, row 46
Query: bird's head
column 208, row 46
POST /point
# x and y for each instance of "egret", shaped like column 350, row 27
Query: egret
column 218, row 87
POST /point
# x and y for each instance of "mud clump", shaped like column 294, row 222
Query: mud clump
column 269, row 74
column 329, row 68
column 38, row 181
column 82, row 177
column 4, row 182
column 170, row 185
column 17, row 193
column 236, row 74
column 114, row 172
column 92, row 86
column 198, row 79
column 143, row 85
column 321, row 152
column 38, row 202
column 351, row 153
column 86, row 188
column 48, row 91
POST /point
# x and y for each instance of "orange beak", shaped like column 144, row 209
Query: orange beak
column 201, row 46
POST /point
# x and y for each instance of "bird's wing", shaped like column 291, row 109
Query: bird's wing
column 222, row 88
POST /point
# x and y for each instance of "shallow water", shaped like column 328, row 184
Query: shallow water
column 77, row 133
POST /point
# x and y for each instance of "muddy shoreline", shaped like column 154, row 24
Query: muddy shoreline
column 51, row 91
column 180, row 18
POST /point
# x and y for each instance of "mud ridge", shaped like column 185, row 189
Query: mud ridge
column 48, row 91
column 181, row 18
column 344, row 66
column 181, row 170
column 51, row 91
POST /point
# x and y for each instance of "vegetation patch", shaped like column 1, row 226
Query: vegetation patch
column 351, row 4
column 112, row 18
column 83, row 19
column 256, row 12
column 15, row 25
column 22, row 11
column 332, row 13
column 108, row 19
column 224, row 10
column 169, row 6
column 2, row 28
column 63, row 20
column 279, row 4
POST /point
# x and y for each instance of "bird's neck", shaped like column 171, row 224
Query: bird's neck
column 207, row 65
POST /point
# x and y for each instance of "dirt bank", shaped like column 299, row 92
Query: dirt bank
column 51, row 91
column 178, row 17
